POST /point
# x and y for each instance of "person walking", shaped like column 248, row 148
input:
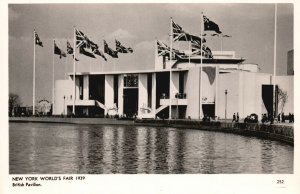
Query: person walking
column 282, row 117
column 237, row 117
column 278, row 118
column 234, row 118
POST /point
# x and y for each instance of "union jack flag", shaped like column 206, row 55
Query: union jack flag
column 164, row 50
column 180, row 35
column 196, row 44
column 109, row 51
column 196, row 50
column 121, row 49
column 96, row 51
column 81, row 39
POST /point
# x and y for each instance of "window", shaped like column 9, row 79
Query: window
column 131, row 80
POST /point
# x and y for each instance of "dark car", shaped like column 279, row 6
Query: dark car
column 253, row 118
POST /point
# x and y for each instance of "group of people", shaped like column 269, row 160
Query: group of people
column 282, row 118
column 236, row 117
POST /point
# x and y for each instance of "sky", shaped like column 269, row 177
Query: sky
column 137, row 26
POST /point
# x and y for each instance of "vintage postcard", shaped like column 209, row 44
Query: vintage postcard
column 131, row 97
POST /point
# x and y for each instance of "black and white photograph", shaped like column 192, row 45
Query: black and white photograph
column 150, row 91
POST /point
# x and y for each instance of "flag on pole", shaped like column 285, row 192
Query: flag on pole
column 207, row 52
column 164, row 50
column 196, row 44
column 196, row 50
column 70, row 50
column 210, row 25
column 86, row 53
column 58, row 51
column 109, row 51
column 81, row 39
column 37, row 40
column 121, row 49
column 95, row 49
column 180, row 35
column 83, row 42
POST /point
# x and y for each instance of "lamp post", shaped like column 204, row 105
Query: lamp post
column 177, row 96
column 226, row 105
column 64, row 105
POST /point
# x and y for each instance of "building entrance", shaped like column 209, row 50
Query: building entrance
column 208, row 110
column 130, row 102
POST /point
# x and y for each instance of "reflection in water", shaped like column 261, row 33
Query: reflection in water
column 161, row 151
column 96, row 149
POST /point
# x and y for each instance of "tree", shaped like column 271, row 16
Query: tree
column 282, row 98
column 13, row 101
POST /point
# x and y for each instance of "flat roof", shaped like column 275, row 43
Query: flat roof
column 128, row 71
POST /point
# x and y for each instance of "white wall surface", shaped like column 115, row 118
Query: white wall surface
column 192, row 93
column 62, row 88
column 109, row 92
column 86, row 87
column 120, row 94
column 142, row 94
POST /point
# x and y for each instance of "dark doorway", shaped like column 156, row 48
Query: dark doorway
column 208, row 110
column 130, row 102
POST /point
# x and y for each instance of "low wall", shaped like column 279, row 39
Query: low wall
column 281, row 133
column 100, row 121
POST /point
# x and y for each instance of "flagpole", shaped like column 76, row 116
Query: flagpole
column 170, row 61
column 216, row 91
column 200, row 79
column 66, row 64
column 53, row 77
column 74, row 72
column 221, row 42
column 190, row 52
column 274, row 73
column 33, row 84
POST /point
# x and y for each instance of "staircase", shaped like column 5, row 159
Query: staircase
column 99, row 104
column 160, row 108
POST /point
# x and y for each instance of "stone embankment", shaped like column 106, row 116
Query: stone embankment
column 283, row 133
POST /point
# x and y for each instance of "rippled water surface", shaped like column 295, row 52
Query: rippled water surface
column 94, row 149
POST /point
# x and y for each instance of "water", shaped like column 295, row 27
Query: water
column 39, row 148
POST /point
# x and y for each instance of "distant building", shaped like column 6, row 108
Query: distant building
column 290, row 62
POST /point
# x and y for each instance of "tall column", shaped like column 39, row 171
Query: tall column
column 109, row 92
column 120, row 94
column 174, row 90
column 77, row 86
column 86, row 91
column 153, row 98
column 216, row 91
column 143, row 94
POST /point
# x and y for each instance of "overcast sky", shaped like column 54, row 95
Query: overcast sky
column 138, row 26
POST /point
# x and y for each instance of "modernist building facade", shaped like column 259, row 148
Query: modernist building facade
column 193, row 87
